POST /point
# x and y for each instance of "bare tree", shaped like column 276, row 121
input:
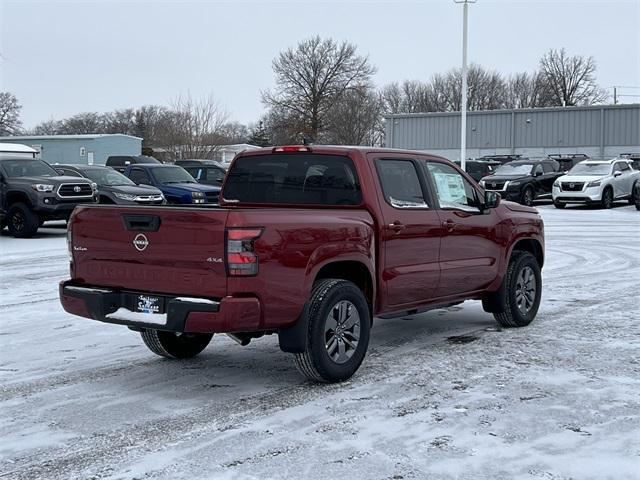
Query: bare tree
column 82, row 123
column 571, row 79
column 10, row 123
column 528, row 90
column 119, row 121
column 356, row 119
column 234, row 132
column 284, row 127
column 195, row 127
column 48, row 127
column 311, row 77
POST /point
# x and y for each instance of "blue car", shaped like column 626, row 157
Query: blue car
column 177, row 185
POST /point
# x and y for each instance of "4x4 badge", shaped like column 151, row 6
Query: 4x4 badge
column 141, row 242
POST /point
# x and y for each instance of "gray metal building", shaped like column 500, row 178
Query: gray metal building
column 80, row 149
column 600, row 131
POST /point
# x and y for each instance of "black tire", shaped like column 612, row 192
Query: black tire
column 607, row 198
column 22, row 222
column 172, row 345
column 528, row 195
column 632, row 198
column 559, row 205
column 504, row 303
column 316, row 362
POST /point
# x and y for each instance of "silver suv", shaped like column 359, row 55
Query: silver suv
column 596, row 182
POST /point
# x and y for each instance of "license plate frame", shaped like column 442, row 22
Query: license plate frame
column 149, row 304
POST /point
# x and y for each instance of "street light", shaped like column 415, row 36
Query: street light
column 463, row 106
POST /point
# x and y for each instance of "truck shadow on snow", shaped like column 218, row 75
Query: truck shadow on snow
column 227, row 367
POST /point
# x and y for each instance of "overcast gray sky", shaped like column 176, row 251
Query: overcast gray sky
column 62, row 58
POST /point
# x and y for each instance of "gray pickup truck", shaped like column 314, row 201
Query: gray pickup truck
column 32, row 192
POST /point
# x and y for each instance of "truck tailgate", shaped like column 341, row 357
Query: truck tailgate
column 167, row 249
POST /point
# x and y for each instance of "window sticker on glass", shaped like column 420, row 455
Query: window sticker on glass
column 450, row 188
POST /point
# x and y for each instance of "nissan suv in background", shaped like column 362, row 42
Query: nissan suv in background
column 523, row 181
column 596, row 183
column 175, row 183
column 33, row 192
column 121, row 162
column 478, row 169
column 114, row 187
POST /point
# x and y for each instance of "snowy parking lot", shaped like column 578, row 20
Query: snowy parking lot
column 446, row 394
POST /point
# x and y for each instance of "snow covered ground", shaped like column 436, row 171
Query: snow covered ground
column 441, row 395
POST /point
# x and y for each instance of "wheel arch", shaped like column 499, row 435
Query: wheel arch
column 531, row 245
column 352, row 270
column 17, row 196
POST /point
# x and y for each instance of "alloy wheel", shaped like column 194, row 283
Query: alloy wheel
column 18, row 221
column 526, row 290
column 342, row 331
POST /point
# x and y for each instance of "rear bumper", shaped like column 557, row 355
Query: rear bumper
column 182, row 314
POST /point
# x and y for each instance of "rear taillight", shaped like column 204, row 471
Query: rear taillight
column 242, row 259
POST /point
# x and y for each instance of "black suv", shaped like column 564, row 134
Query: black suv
column 121, row 162
column 478, row 169
column 114, row 187
column 32, row 192
column 523, row 181
column 209, row 172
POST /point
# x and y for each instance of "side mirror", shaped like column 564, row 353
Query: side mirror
column 537, row 173
column 127, row 163
column 491, row 199
column 60, row 171
column 617, row 173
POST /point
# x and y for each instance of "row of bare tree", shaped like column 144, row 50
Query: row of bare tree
column 324, row 93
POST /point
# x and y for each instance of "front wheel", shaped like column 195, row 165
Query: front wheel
column 339, row 324
column 607, row 198
column 175, row 345
column 559, row 204
column 22, row 222
column 527, row 196
column 516, row 302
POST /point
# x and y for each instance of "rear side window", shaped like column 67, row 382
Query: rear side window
column 139, row 176
column 400, row 184
column 304, row 179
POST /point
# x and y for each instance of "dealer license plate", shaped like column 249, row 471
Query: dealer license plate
column 149, row 304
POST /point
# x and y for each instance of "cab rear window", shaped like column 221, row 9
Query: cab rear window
column 302, row 179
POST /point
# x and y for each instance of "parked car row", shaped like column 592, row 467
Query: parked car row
column 33, row 192
column 590, row 182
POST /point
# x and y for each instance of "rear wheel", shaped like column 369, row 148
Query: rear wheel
column 527, row 196
column 339, row 324
column 22, row 222
column 175, row 345
column 607, row 198
column 516, row 302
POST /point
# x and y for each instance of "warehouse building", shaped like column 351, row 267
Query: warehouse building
column 599, row 132
column 79, row 149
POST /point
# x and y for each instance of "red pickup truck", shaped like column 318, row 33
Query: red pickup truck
column 311, row 243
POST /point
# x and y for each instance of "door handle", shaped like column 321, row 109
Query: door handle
column 449, row 224
column 396, row 226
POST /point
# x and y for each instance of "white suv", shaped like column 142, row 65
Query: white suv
column 596, row 182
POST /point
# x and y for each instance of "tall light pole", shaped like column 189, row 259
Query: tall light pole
column 463, row 103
